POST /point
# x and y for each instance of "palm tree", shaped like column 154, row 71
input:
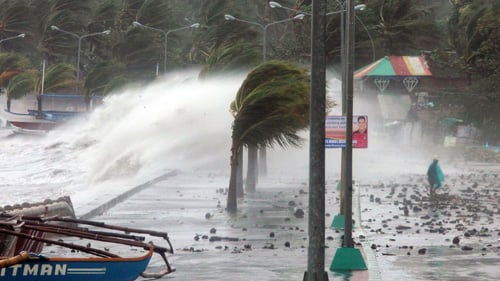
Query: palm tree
column 56, row 78
column 12, row 64
column 219, row 44
column 71, row 16
column 405, row 27
column 15, row 18
column 99, row 79
column 270, row 107
column 473, row 33
column 19, row 86
column 473, row 37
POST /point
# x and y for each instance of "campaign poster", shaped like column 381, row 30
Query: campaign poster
column 336, row 131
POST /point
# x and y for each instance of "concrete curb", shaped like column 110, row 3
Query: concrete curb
column 120, row 198
column 371, row 260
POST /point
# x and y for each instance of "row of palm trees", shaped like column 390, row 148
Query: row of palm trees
column 397, row 27
column 107, row 62
column 131, row 53
column 270, row 108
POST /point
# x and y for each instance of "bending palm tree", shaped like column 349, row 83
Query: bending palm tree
column 57, row 77
column 270, row 107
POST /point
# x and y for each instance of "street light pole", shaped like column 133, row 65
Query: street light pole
column 22, row 35
column 369, row 36
column 338, row 220
column 79, row 37
column 349, row 71
column 359, row 7
column 297, row 17
column 348, row 257
column 274, row 4
column 264, row 28
column 165, row 34
column 316, row 224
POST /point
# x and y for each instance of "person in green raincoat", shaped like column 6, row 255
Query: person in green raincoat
column 435, row 175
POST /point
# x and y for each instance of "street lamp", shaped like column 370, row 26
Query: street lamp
column 274, row 4
column 264, row 27
column 359, row 7
column 22, row 35
column 165, row 34
column 79, row 37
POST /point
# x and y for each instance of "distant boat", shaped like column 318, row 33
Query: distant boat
column 57, row 109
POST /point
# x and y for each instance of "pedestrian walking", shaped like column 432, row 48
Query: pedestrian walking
column 435, row 176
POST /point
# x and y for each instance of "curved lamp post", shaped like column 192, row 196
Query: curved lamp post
column 264, row 28
column 274, row 4
column 165, row 34
column 22, row 35
column 79, row 37
column 359, row 7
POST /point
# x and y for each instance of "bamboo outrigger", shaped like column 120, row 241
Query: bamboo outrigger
column 34, row 231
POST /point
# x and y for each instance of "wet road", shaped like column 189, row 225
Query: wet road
column 266, row 241
column 271, row 242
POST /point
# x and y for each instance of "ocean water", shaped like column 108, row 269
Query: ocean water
column 178, row 122
column 182, row 123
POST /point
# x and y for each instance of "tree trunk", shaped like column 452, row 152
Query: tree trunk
column 39, row 104
column 87, row 102
column 239, row 178
column 232, row 203
column 263, row 161
column 251, row 168
column 8, row 104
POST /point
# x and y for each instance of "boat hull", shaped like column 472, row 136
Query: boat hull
column 28, row 122
column 54, row 110
column 77, row 269
column 33, row 125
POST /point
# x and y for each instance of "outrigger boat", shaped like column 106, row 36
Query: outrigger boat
column 93, row 264
column 54, row 110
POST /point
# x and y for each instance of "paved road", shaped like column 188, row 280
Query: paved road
column 271, row 241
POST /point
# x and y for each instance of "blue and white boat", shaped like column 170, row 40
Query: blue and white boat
column 83, row 262
column 54, row 110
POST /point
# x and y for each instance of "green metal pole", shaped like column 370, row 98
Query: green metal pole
column 344, row 107
column 316, row 224
column 349, row 71
column 348, row 257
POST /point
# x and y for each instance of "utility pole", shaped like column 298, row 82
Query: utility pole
column 348, row 257
column 349, row 73
column 316, row 226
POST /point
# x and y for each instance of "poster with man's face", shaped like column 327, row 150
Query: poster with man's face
column 336, row 131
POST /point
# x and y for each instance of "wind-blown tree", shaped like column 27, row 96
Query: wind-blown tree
column 474, row 32
column 219, row 44
column 57, row 77
column 11, row 64
column 404, row 27
column 99, row 79
column 271, row 107
column 71, row 16
column 15, row 18
column 389, row 27
column 20, row 85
